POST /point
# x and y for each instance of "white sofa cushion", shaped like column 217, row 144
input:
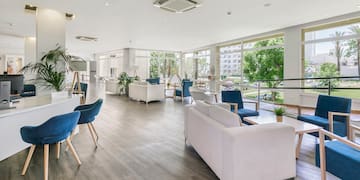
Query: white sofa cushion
column 224, row 117
column 202, row 107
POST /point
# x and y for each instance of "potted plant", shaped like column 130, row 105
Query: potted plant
column 124, row 81
column 279, row 112
column 51, row 69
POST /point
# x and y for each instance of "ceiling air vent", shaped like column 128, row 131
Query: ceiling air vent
column 177, row 6
column 86, row 38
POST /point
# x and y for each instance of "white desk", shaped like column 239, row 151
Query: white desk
column 30, row 111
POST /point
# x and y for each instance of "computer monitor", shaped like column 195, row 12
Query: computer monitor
column 17, row 82
column 5, row 92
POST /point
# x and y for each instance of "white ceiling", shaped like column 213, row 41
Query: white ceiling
column 136, row 23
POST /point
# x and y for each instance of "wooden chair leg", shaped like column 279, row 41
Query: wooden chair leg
column 58, row 150
column 46, row 162
column 68, row 142
column 93, row 128
column 298, row 146
column 27, row 161
column 92, row 134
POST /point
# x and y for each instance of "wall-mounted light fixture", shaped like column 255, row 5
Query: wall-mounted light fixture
column 32, row 9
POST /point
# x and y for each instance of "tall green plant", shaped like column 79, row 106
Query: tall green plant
column 49, row 73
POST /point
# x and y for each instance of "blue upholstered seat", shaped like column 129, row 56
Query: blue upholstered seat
column 341, row 160
column 52, row 131
column 234, row 96
column 55, row 130
column 324, row 105
column 88, row 114
column 29, row 90
column 184, row 91
column 153, row 80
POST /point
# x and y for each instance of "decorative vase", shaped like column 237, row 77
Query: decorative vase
column 279, row 118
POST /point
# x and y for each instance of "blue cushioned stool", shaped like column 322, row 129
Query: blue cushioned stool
column 88, row 114
column 340, row 157
column 55, row 130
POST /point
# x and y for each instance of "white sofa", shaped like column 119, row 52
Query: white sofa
column 233, row 152
column 144, row 91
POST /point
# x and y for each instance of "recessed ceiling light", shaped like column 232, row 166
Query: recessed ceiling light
column 267, row 4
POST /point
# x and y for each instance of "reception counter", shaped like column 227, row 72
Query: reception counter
column 31, row 111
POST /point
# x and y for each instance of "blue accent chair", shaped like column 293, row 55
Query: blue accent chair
column 83, row 86
column 29, row 90
column 153, row 80
column 341, row 159
column 234, row 98
column 53, row 131
column 341, row 108
column 88, row 114
column 184, row 91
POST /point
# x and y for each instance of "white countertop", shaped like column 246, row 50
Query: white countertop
column 32, row 103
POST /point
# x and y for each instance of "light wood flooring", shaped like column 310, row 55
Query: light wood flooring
column 137, row 141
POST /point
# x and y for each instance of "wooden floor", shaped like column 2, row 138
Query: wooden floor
column 137, row 141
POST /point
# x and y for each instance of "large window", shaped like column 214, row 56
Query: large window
column 188, row 68
column 203, row 63
column 164, row 64
column 332, row 51
column 230, row 62
column 264, row 60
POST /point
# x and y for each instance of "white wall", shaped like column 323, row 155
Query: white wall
column 50, row 31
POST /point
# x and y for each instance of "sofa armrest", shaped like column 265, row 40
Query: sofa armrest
column 331, row 121
column 250, row 152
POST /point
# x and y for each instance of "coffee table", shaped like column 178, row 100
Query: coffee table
column 300, row 126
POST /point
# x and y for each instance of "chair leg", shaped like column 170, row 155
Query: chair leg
column 92, row 134
column 46, row 161
column 68, row 142
column 58, row 150
column 93, row 128
column 27, row 161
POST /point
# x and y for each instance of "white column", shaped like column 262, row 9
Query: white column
column 50, row 31
column 30, row 55
column 292, row 64
column 214, row 70
column 129, row 60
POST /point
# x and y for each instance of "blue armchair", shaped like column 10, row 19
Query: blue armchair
column 184, row 91
column 88, row 113
column 340, row 157
column 55, row 130
column 234, row 98
column 29, row 90
column 153, row 80
column 332, row 113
